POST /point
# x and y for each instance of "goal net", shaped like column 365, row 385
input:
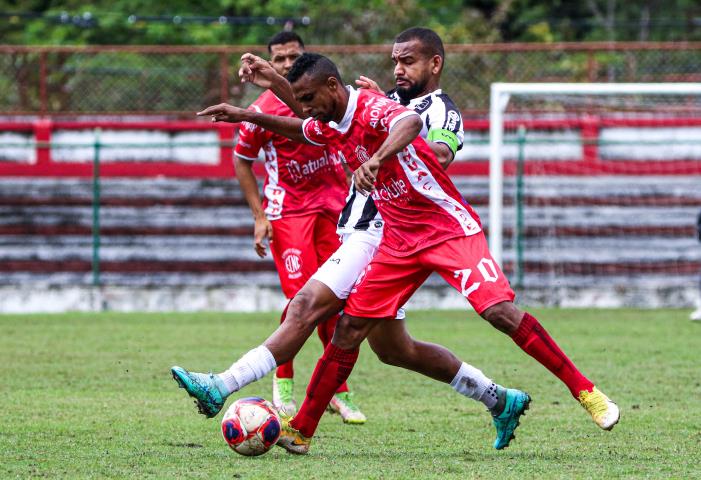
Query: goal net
column 595, row 190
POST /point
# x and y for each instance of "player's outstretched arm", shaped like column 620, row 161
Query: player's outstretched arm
column 259, row 72
column 402, row 134
column 286, row 126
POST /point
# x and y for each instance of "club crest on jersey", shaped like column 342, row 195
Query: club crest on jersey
column 362, row 154
column 293, row 262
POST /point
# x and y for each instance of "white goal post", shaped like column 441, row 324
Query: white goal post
column 501, row 93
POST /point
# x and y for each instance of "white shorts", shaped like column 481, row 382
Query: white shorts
column 344, row 266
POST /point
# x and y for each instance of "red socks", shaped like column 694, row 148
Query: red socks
column 325, row 330
column 535, row 341
column 331, row 371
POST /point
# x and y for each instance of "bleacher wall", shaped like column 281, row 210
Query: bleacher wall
column 176, row 234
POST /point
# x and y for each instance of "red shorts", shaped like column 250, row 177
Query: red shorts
column 300, row 245
column 464, row 262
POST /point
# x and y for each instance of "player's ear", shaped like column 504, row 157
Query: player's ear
column 436, row 64
column 332, row 83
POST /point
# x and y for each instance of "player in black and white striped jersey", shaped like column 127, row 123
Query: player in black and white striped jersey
column 417, row 73
column 418, row 56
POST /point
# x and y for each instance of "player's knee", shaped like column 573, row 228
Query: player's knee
column 350, row 332
column 300, row 311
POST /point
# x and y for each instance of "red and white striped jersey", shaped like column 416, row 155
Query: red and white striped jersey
column 301, row 179
column 418, row 202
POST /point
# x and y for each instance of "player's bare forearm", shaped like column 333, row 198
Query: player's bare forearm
column 249, row 185
column 402, row 134
column 443, row 153
column 286, row 126
column 282, row 88
column 259, row 72
column 262, row 229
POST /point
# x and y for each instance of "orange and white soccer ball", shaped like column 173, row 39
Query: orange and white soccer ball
column 251, row 426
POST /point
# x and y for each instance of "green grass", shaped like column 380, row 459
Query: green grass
column 90, row 396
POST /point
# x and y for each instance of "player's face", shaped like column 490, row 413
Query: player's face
column 317, row 97
column 413, row 69
column 283, row 55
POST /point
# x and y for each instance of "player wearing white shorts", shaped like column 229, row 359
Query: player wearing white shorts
column 418, row 55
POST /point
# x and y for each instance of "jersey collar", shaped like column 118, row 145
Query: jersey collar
column 345, row 122
column 415, row 101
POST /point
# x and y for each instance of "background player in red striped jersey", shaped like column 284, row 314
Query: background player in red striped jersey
column 304, row 192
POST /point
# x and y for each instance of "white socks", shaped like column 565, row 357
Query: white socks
column 471, row 382
column 251, row 367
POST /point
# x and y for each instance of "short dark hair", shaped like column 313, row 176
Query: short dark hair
column 432, row 43
column 284, row 37
column 314, row 65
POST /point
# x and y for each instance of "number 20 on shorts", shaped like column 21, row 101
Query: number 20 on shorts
column 485, row 267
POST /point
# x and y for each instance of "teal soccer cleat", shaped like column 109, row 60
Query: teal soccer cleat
column 205, row 388
column 517, row 403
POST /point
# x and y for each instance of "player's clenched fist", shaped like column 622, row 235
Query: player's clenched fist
column 262, row 230
column 224, row 113
column 256, row 70
column 364, row 177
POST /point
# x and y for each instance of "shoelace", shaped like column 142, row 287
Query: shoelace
column 204, row 385
column 285, row 390
column 345, row 397
column 596, row 404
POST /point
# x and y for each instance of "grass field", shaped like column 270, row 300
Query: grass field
column 90, row 396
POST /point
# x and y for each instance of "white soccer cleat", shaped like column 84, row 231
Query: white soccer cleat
column 283, row 396
column 603, row 411
column 696, row 314
column 342, row 404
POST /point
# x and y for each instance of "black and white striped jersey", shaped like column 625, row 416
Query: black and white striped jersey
column 442, row 123
column 439, row 114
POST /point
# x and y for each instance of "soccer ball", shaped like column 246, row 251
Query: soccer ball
column 251, row 426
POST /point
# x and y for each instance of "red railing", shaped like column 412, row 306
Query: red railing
column 588, row 163
column 45, row 166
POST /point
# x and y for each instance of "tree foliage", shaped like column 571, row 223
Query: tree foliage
column 188, row 22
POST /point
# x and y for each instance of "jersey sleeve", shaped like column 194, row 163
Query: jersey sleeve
column 445, row 124
column 313, row 131
column 384, row 115
column 251, row 138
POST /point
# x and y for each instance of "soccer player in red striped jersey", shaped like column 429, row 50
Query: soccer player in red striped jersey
column 419, row 57
column 304, row 192
column 429, row 227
